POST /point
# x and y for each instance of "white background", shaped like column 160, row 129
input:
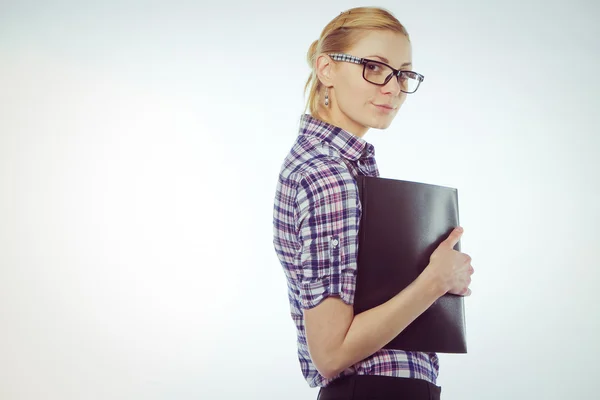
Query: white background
column 140, row 145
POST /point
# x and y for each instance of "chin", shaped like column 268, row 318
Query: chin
column 381, row 123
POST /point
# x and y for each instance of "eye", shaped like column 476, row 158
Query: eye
column 373, row 67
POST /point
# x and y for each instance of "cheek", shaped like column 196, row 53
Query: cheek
column 357, row 94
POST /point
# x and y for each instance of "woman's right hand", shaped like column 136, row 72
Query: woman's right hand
column 450, row 268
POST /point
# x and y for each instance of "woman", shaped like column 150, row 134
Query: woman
column 361, row 75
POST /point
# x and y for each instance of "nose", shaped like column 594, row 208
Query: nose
column 392, row 86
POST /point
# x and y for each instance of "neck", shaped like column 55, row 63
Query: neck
column 335, row 117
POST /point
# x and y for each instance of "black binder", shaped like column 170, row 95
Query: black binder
column 402, row 223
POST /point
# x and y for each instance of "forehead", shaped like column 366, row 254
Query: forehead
column 391, row 45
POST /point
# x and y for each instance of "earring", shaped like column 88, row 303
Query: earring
column 326, row 96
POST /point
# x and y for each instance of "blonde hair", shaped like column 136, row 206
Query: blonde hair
column 341, row 34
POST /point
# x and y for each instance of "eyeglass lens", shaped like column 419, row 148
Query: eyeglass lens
column 378, row 74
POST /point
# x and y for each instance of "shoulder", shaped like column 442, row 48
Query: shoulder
column 319, row 162
column 310, row 157
column 326, row 174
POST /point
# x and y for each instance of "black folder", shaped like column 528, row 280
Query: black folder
column 402, row 223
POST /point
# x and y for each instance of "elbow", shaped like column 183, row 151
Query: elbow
column 328, row 367
column 327, row 373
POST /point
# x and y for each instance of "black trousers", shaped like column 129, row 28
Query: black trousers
column 375, row 387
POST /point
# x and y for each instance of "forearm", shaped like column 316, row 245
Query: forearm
column 374, row 328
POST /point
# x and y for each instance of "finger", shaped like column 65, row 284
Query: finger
column 454, row 237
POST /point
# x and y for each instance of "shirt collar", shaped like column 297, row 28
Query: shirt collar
column 350, row 146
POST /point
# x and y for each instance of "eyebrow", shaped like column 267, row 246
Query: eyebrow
column 385, row 60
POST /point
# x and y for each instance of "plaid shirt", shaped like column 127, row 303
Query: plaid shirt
column 316, row 218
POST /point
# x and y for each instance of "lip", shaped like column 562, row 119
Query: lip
column 385, row 107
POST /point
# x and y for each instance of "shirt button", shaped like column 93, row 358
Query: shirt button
column 334, row 242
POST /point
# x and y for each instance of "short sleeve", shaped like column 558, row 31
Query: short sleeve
column 327, row 218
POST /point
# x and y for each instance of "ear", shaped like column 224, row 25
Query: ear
column 325, row 69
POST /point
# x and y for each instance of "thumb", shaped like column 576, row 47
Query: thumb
column 454, row 237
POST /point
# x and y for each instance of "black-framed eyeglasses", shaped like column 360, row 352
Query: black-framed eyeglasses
column 379, row 73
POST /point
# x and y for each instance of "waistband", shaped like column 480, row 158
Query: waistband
column 358, row 387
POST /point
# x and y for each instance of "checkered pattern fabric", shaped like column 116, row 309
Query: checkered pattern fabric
column 316, row 217
column 346, row 57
